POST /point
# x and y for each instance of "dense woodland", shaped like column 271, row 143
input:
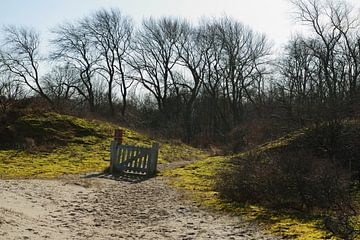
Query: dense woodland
column 215, row 82
column 204, row 82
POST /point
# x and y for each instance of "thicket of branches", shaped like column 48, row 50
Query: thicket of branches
column 207, row 82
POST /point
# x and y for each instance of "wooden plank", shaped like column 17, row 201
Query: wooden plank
column 153, row 159
column 128, row 154
column 140, row 156
column 118, row 152
column 124, row 152
column 134, row 160
column 140, row 160
column 133, row 147
column 112, row 155
column 156, row 149
column 131, row 158
column 126, row 164
column 118, row 155
column 146, row 160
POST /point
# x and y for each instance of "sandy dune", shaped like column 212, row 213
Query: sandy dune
column 100, row 208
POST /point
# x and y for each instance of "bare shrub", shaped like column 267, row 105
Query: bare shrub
column 297, row 181
column 251, row 134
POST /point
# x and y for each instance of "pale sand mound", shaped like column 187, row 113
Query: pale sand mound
column 97, row 208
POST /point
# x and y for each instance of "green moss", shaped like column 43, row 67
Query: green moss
column 80, row 145
column 71, row 145
column 177, row 151
column 71, row 159
column 284, row 141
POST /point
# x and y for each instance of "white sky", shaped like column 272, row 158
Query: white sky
column 272, row 17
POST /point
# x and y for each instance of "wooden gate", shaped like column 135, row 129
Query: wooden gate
column 133, row 159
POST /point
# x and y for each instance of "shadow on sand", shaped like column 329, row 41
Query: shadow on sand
column 121, row 176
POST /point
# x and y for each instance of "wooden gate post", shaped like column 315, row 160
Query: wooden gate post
column 118, row 136
column 153, row 160
column 113, row 150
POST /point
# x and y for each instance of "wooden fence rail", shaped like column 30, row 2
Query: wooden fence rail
column 133, row 159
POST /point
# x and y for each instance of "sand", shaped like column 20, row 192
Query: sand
column 94, row 207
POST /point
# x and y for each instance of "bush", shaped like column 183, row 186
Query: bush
column 313, row 170
column 299, row 181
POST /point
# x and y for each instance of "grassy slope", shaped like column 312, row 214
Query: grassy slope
column 200, row 176
column 73, row 145
column 76, row 145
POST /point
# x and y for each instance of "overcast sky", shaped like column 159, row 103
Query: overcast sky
column 272, row 17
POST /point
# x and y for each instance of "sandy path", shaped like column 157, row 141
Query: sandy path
column 98, row 208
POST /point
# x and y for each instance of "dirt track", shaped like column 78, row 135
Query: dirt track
column 98, row 208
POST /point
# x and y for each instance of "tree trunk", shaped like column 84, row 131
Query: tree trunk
column 111, row 104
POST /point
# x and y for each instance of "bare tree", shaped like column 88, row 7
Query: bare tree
column 10, row 89
column 111, row 34
column 58, row 85
column 335, row 44
column 73, row 45
column 298, row 68
column 193, row 49
column 155, row 56
column 328, row 22
column 20, row 57
column 243, row 52
column 213, row 91
column 347, row 22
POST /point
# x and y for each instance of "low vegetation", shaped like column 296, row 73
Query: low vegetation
column 314, row 172
column 215, row 84
column 51, row 144
column 263, row 184
column 290, row 184
column 200, row 179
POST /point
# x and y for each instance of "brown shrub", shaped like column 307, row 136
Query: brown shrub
column 298, row 181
